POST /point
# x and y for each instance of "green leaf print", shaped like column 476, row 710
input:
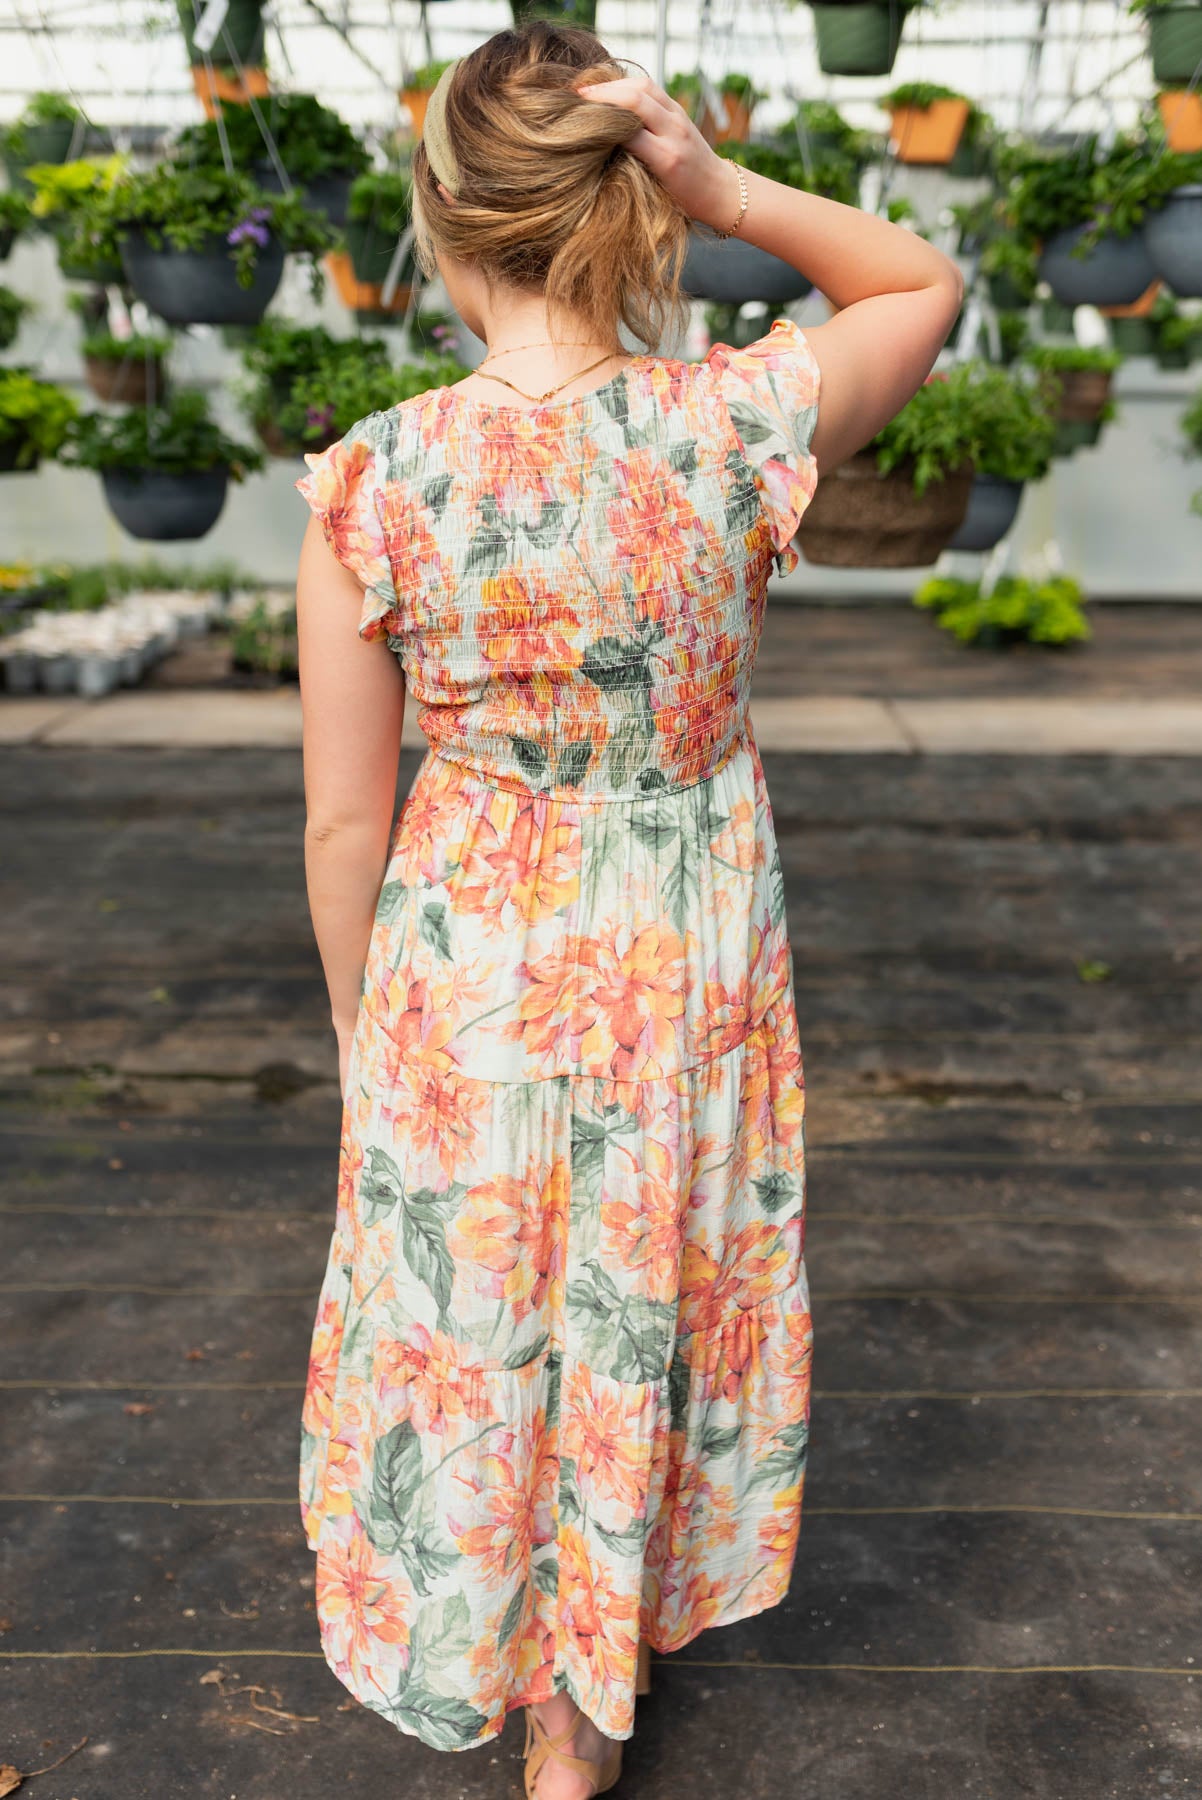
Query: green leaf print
column 439, row 1719
column 680, row 888
column 780, row 1469
column 642, row 1348
column 517, row 1359
column 380, row 1186
column 424, row 1557
column 569, row 1493
column 396, row 1471
column 720, row 1440
column 434, row 928
column 649, row 779
column 489, row 549
column 442, row 1633
column 546, row 1576
column 515, row 1612
column 531, row 756
column 683, row 458
column 573, row 763
column 630, row 1542
column 392, row 898
column 614, row 664
column 680, row 1385
column 776, row 1191
column 424, row 1240
column 435, row 493
column 751, row 424
column 615, row 398
column 549, row 528
column 589, row 1140
column 743, row 502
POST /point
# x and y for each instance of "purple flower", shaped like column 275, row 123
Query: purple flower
column 319, row 418
column 253, row 226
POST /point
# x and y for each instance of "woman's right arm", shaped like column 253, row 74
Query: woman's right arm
column 897, row 297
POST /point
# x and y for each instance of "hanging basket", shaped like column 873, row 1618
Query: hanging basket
column 1005, row 293
column 1075, row 434
column 858, row 38
column 1175, row 39
column 732, row 271
column 200, row 287
column 1114, row 273
column 1133, row 336
column 928, row 134
column 366, row 298
column 1083, row 394
column 126, row 380
column 992, row 509
column 1173, row 234
column 861, row 519
column 98, row 270
column 1181, row 116
column 328, row 195
column 215, row 85
column 161, row 508
column 240, row 40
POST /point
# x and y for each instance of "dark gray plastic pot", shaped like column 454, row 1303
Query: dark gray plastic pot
column 1173, row 235
column 162, row 508
column 992, row 510
column 325, row 194
column 1114, row 273
column 200, row 287
column 727, row 270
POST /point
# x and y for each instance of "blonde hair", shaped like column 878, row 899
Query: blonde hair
column 549, row 197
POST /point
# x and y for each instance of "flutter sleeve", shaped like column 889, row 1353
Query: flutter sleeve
column 771, row 392
column 341, row 488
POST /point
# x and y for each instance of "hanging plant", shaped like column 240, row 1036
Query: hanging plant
column 349, row 388
column 200, row 246
column 730, row 270
column 826, row 134
column 418, row 85
column 1173, row 226
column 35, row 418
column 858, row 37
column 1010, row 435
column 560, row 12
column 1081, row 210
column 233, row 70
column 1174, row 37
column 12, row 310
column 378, row 213
column 282, row 359
column 1075, row 383
column 66, row 199
column 739, row 96
column 125, row 371
column 1008, row 267
column 165, row 468
column 1014, row 611
column 15, row 218
column 927, row 121
column 1180, row 112
column 319, row 152
column 1176, row 335
column 49, row 128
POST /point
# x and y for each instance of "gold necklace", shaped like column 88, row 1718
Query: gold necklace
column 544, row 344
column 537, row 398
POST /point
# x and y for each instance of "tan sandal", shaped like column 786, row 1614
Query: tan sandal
column 642, row 1675
column 539, row 1747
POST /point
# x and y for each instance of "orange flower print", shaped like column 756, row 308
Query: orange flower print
column 523, row 623
column 601, row 1432
column 600, row 1623
column 629, row 999
column 364, row 1603
column 443, row 1117
column 643, row 1218
column 509, row 1239
column 548, row 999
column 531, row 873
column 500, row 1542
column 324, row 1352
column 441, row 1398
column 340, row 487
column 654, row 526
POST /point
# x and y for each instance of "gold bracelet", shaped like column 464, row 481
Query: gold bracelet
column 731, row 229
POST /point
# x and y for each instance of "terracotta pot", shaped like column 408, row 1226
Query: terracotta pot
column 214, row 85
column 737, row 128
column 928, row 134
column 364, row 297
column 861, row 519
column 1139, row 309
column 125, row 381
column 1083, row 394
column 1181, row 115
column 416, row 101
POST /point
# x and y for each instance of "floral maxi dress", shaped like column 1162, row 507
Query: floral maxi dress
column 559, row 1390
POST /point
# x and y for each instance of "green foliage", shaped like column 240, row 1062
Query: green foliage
column 1014, row 332
column 49, row 109
column 819, row 119
column 196, row 207
column 921, row 94
column 380, row 195
column 108, row 347
column 36, row 413
column 265, row 640
column 1191, row 428
column 832, row 176
column 740, row 87
column 1051, row 359
column 975, row 413
column 289, row 364
column 1090, row 970
column 1108, row 192
column 975, row 222
column 65, row 190
column 180, row 437
column 349, row 389
column 310, row 139
column 64, row 587
column 15, row 214
column 426, row 77
column 1015, row 610
column 12, row 310
column 1006, row 256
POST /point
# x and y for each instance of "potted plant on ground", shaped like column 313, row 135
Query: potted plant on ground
column 35, row 417
column 1014, row 436
column 419, row 84
column 15, row 217
column 46, row 132
column 689, row 89
column 263, row 645
column 732, row 270
column 318, row 151
column 203, row 247
column 378, row 212
column 231, row 67
column 1172, row 193
column 898, row 503
column 1076, row 383
column 1015, row 611
column 12, row 310
column 278, row 358
column 125, row 371
column 858, row 37
column 1174, row 37
column 65, row 199
column 165, row 468
column 927, row 121
column 1080, row 210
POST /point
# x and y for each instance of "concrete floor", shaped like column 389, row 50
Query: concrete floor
column 996, row 1589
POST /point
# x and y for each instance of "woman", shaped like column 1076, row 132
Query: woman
column 559, row 1396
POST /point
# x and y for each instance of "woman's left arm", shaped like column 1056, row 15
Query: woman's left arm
column 353, row 705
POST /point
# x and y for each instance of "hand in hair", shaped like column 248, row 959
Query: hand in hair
column 703, row 184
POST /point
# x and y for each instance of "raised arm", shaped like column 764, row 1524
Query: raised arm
column 897, row 296
column 353, row 703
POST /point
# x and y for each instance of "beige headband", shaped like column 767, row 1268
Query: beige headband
column 434, row 132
